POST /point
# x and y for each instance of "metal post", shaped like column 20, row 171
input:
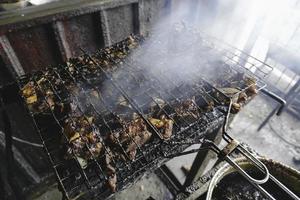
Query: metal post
column 202, row 159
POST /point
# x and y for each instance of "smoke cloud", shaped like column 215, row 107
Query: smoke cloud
column 177, row 51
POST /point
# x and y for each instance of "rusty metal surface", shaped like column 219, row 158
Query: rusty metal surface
column 37, row 37
column 150, row 11
column 9, row 58
column 41, row 36
column 121, row 21
column 35, row 47
column 60, row 10
column 87, row 32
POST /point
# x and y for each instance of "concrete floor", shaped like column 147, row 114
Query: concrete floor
column 244, row 128
column 279, row 139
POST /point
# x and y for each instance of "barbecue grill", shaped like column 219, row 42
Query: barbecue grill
column 101, row 95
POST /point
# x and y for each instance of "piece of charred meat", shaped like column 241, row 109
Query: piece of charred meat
column 137, row 141
column 29, row 93
column 163, row 124
column 84, row 139
column 40, row 97
column 110, row 170
column 210, row 106
column 251, row 91
column 133, row 129
column 188, row 108
column 112, row 182
column 242, row 97
column 37, row 100
column 235, row 108
column 251, row 83
column 158, row 123
column 168, row 129
column 133, row 135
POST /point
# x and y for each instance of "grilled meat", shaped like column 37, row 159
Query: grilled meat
column 242, row 97
column 158, row 123
column 109, row 156
column 168, row 128
column 210, row 106
column 251, row 83
column 235, row 108
column 136, row 142
column 134, row 128
column 84, row 139
column 188, row 108
column 164, row 124
column 131, row 136
column 40, row 97
column 112, row 182
column 111, row 171
column 29, row 93
column 251, row 91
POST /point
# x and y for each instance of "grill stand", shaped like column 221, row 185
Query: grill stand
column 199, row 165
column 289, row 97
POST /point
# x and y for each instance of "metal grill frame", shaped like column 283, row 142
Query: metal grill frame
column 198, row 129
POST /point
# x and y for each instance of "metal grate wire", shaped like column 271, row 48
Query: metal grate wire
column 88, row 75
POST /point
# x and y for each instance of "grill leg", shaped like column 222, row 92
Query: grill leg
column 198, row 167
column 203, row 158
column 267, row 119
column 289, row 98
column 169, row 179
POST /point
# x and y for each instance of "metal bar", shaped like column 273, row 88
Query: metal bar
column 10, row 58
column 241, row 51
column 170, row 180
column 275, row 97
column 202, row 158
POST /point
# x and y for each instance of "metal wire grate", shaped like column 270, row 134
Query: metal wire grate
column 84, row 109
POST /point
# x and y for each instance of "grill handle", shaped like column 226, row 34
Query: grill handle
column 235, row 146
column 225, row 155
column 276, row 98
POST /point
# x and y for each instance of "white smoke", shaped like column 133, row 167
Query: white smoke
column 175, row 54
